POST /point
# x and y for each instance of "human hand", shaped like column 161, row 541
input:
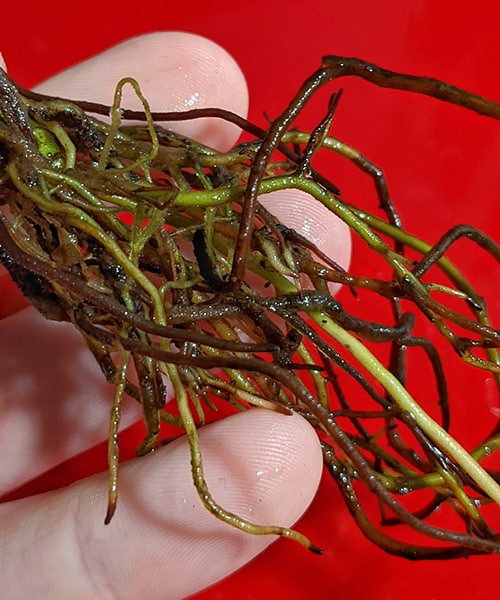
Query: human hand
column 162, row 543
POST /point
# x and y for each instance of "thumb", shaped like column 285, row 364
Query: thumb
column 162, row 542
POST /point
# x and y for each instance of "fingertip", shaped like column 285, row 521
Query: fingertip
column 275, row 456
column 2, row 62
column 300, row 211
column 175, row 70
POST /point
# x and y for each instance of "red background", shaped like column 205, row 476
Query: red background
column 442, row 167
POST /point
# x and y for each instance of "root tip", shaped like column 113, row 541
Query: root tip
column 315, row 549
column 109, row 514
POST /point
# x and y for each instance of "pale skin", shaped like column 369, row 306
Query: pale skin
column 162, row 543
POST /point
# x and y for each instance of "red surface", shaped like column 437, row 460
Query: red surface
column 442, row 167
